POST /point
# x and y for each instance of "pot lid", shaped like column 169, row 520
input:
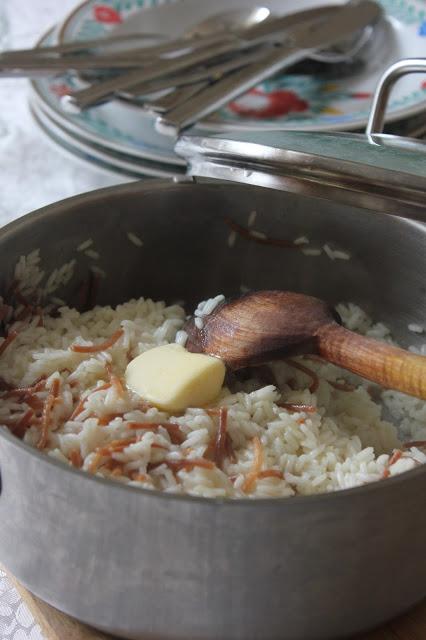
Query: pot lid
column 383, row 173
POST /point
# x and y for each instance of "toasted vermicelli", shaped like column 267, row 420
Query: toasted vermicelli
column 11, row 336
column 314, row 377
column 49, row 403
column 95, row 348
column 257, row 466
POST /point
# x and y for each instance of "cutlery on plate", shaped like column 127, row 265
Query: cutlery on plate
column 301, row 42
column 271, row 30
column 174, row 98
column 211, row 30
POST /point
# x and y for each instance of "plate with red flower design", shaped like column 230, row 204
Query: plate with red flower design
column 307, row 101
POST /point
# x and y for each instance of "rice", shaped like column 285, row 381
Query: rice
column 181, row 337
column 85, row 245
column 134, row 239
column 252, row 218
column 311, row 252
column 416, row 328
column 258, row 234
column 98, row 271
column 335, row 254
column 341, row 255
column 280, row 439
column 206, row 307
column 28, row 273
column 59, row 277
column 309, row 442
column 232, row 238
column 301, row 240
column 91, row 253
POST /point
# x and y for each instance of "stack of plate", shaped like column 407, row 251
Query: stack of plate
column 120, row 135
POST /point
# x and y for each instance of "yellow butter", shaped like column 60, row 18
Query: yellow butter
column 172, row 378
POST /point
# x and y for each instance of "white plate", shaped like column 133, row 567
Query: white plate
column 68, row 151
column 304, row 102
column 93, row 153
column 120, row 127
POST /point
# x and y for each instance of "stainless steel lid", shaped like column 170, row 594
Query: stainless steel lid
column 383, row 173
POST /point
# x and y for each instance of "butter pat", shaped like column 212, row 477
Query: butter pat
column 172, row 378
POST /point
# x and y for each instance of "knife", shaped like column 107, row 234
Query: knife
column 300, row 41
column 271, row 30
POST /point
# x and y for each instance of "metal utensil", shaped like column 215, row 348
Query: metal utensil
column 174, row 98
column 102, row 91
column 303, row 40
column 80, row 45
column 214, row 29
column 40, row 67
column 274, row 28
column 185, row 81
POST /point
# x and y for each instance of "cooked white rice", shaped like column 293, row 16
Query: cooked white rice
column 252, row 218
column 135, row 239
column 311, row 252
column 301, row 240
column 317, row 442
column 91, row 253
column 85, row 245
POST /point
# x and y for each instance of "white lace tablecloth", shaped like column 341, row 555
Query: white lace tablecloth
column 32, row 174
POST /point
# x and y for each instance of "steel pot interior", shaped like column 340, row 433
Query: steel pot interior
column 275, row 569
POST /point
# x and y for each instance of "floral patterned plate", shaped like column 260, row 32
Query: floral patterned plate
column 108, row 160
column 295, row 101
column 116, row 125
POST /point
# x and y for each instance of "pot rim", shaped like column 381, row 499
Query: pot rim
column 296, row 501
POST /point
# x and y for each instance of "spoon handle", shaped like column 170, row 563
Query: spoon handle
column 379, row 362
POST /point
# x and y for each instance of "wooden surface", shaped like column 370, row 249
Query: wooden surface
column 58, row 626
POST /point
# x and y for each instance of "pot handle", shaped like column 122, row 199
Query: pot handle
column 381, row 96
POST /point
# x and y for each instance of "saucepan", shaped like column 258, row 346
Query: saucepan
column 149, row 565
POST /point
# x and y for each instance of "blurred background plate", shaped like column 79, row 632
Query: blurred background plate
column 292, row 101
column 116, row 125
column 94, row 153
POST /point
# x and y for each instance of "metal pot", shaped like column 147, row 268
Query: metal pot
column 146, row 565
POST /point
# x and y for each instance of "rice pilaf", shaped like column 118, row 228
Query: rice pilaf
column 316, row 429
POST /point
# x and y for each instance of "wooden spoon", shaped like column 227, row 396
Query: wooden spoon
column 272, row 325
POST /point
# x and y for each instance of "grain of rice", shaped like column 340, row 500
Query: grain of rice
column 342, row 255
column 207, row 306
column 336, row 254
column 59, row 277
column 134, row 239
column 252, row 218
column 301, row 240
column 91, row 253
column 85, row 245
column 199, row 322
column 258, row 234
column 416, row 328
column 328, row 251
column 232, row 238
column 181, row 337
column 98, row 271
column 311, row 252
